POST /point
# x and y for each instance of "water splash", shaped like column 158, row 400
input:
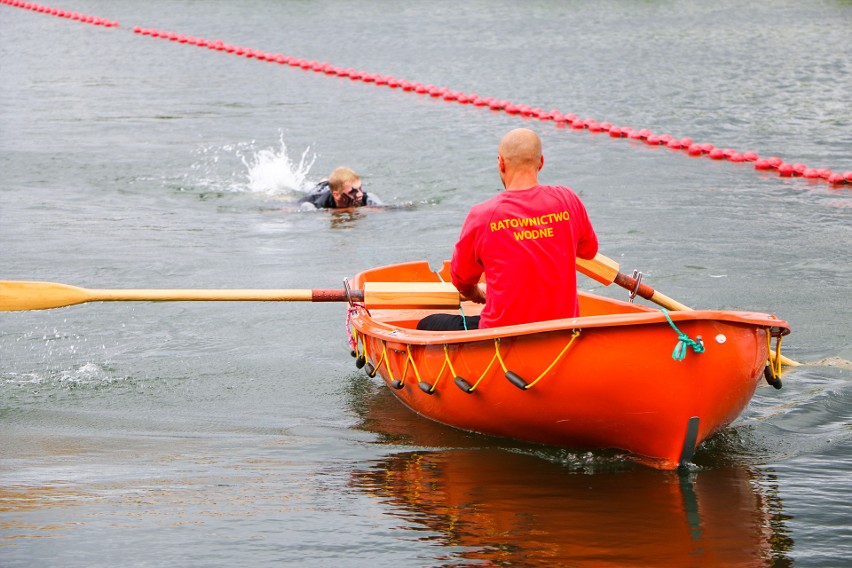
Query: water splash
column 88, row 374
column 245, row 168
column 274, row 173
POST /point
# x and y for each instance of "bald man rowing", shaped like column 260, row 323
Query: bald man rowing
column 525, row 241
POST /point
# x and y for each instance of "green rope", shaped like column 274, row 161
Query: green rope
column 461, row 309
column 683, row 341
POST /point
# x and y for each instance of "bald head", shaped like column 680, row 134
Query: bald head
column 519, row 158
column 521, row 147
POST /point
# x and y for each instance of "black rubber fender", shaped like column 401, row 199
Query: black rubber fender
column 516, row 380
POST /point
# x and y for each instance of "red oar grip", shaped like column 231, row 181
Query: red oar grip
column 336, row 295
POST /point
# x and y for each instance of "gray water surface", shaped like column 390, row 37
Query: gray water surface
column 214, row 434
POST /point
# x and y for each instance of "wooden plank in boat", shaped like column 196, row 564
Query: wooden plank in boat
column 410, row 295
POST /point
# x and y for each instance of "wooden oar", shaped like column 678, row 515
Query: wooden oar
column 606, row 271
column 22, row 295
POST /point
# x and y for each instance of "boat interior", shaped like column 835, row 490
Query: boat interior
column 420, row 271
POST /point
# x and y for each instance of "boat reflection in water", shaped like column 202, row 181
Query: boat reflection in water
column 521, row 505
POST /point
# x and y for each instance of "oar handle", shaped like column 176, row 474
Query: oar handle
column 647, row 292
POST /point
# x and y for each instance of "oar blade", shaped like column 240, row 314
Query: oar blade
column 18, row 296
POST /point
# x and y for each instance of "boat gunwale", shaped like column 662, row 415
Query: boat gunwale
column 367, row 324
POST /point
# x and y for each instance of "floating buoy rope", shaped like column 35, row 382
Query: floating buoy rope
column 685, row 146
column 51, row 11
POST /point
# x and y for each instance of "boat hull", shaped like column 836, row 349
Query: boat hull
column 609, row 379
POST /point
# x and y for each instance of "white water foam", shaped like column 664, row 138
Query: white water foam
column 86, row 374
column 244, row 168
column 274, row 173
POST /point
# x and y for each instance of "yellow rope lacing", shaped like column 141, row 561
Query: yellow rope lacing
column 574, row 335
column 447, row 364
column 774, row 363
column 484, row 373
column 360, row 349
column 408, row 360
column 499, row 357
column 382, row 359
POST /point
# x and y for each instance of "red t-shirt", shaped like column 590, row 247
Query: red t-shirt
column 526, row 242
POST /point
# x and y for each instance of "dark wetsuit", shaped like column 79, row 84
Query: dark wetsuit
column 320, row 197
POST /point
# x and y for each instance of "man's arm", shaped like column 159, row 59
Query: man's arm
column 475, row 293
column 465, row 268
column 587, row 245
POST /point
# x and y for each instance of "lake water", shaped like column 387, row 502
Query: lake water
column 215, row 434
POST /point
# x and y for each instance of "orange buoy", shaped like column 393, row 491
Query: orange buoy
column 785, row 169
column 717, row 154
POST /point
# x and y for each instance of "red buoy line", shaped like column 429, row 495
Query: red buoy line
column 49, row 10
column 684, row 145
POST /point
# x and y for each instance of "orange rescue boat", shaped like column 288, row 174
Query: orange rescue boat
column 621, row 376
